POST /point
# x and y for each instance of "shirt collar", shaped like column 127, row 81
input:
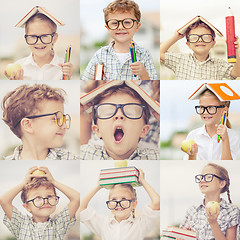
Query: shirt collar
column 209, row 59
column 55, row 61
column 112, row 220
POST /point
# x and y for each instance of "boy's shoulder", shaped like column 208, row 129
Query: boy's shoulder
column 93, row 152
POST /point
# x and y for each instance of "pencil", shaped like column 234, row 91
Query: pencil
column 223, row 121
column 133, row 53
column 67, row 59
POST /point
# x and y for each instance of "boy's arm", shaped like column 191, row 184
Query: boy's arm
column 167, row 44
column 70, row 193
column 150, row 191
column 236, row 67
column 7, row 198
column 86, row 199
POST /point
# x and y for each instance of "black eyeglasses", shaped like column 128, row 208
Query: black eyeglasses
column 210, row 109
column 127, row 23
column 40, row 201
column 112, row 204
column 129, row 110
column 60, row 118
column 207, row 177
column 45, row 38
column 193, row 38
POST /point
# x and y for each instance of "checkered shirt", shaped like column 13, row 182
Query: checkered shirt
column 97, row 152
column 196, row 220
column 187, row 67
column 23, row 227
column 113, row 70
column 54, row 154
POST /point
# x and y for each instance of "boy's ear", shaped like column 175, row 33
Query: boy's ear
column 26, row 125
column 138, row 26
column 145, row 130
column 25, row 205
column 222, row 184
column 55, row 38
column 95, row 128
column 188, row 43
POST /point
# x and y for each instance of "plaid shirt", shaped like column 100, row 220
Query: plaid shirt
column 23, row 227
column 113, row 70
column 196, row 220
column 187, row 67
column 54, row 154
column 97, row 152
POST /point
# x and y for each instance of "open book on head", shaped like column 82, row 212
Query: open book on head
column 183, row 29
column 222, row 91
column 36, row 10
column 88, row 97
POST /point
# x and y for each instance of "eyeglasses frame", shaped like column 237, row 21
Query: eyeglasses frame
column 206, row 108
column 119, row 202
column 39, row 37
column 204, row 177
column 200, row 36
column 118, row 21
column 32, row 200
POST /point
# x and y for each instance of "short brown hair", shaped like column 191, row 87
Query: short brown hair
column 34, row 184
column 24, row 101
column 199, row 24
column 124, row 89
column 122, row 6
column 42, row 17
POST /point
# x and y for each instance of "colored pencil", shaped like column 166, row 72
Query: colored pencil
column 223, row 121
column 67, row 59
column 133, row 53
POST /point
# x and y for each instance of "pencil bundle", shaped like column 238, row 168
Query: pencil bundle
column 223, row 121
column 133, row 53
column 67, row 59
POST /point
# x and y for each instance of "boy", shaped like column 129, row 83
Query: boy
column 42, row 63
column 40, row 199
column 200, row 39
column 120, row 119
column 35, row 114
column 122, row 18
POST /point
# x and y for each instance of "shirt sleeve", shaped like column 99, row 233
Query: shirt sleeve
column 63, row 222
column 235, row 217
column 15, row 224
column 225, row 69
column 94, row 221
column 149, row 219
column 149, row 66
column 234, row 145
column 172, row 60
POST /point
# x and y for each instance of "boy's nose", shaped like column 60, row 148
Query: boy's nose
column 120, row 26
column 119, row 115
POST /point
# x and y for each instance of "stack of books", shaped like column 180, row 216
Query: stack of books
column 176, row 232
column 111, row 176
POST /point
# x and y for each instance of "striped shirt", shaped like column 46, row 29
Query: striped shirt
column 97, row 152
column 196, row 220
column 114, row 70
column 187, row 67
column 23, row 227
column 54, row 154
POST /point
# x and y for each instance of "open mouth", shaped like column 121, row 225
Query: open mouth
column 118, row 134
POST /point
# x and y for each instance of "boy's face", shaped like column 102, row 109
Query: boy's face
column 208, row 119
column 44, row 130
column 119, row 133
column 40, row 214
column 121, row 34
column 39, row 28
column 119, row 194
column 200, row 47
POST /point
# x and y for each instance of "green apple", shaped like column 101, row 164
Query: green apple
column 213, row 206
column 12, row 67
column 187, row 144
column 120, row 163
column 38, row 173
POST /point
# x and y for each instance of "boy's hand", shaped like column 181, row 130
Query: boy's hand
column 29, row 175
column 236, row 43
column 178, row 35
column 17, row 76
column 141, row 177
column 47, row 174
column 222, row 131
column 139, row 70
column 67, row 68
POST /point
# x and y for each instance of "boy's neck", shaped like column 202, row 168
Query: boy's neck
column 40, row 219
column 201, row 58
column 212, row 197
column 119, row 157
column 211, row 130
column 41, row 61
column 121, row 47
column 33, row 152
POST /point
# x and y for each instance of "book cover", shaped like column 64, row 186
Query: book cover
column 88, row 97
column 119, row 174
column 118, row 170
column 181, row 231
column 183, row 29
column 98, row 72
column 221, row 90
column 38, row 9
